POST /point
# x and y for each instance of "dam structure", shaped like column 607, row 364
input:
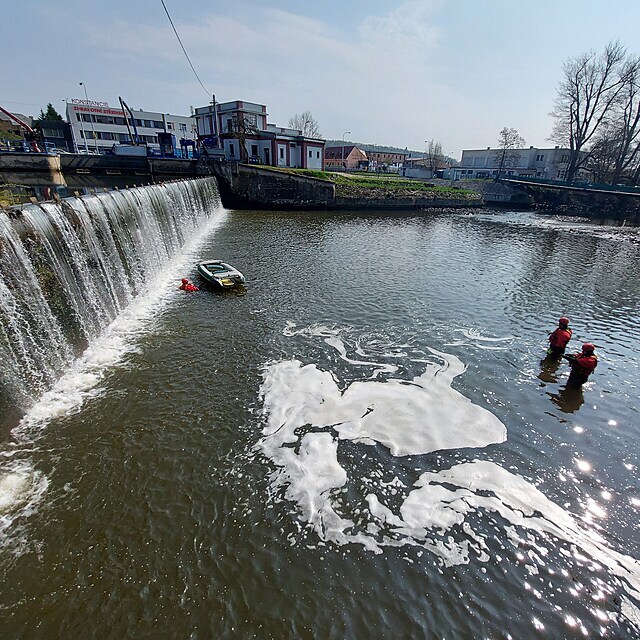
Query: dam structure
column 69, row 268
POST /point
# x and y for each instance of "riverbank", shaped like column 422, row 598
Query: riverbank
column 258, row 187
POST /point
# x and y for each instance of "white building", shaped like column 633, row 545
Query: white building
column 232, row 124
column 548, row 164
column 96, row 126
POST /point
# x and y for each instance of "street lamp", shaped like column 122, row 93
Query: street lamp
column 95, row 140
column 342, row 161
column 84, row 135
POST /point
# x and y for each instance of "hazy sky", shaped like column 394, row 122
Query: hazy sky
column 391, row 73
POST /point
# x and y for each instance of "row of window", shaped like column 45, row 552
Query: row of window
column 118, row 137
column 149, row 124
column 254, row 151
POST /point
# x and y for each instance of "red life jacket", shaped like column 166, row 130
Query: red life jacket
column 584, row 364
column 559, row 338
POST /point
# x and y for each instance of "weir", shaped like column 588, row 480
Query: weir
column 68, row 268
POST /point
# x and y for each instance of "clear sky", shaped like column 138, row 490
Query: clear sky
column 391, row 73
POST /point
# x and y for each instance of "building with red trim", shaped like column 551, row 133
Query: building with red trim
column 242, row 131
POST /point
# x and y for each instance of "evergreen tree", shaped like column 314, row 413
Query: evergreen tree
column 49, row 114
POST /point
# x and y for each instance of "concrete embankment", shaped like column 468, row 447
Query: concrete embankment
column 594, row 203
column 40, row 162
column 247, row 187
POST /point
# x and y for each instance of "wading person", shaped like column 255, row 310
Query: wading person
column 188, row 286
column 559, row 339
column 582, row 365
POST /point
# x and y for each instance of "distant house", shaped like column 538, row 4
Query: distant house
column 547, row 163
column 240, row 130
column 347, row 157
column 385, row 158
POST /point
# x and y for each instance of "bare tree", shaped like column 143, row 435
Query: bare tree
column 306, row 123
column 587, row 94
column 506, row 155
column 434, row 158
column 240, row 128
column 625, row 124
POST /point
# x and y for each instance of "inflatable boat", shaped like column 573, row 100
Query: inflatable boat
column 220, row 274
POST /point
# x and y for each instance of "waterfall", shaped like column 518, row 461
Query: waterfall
column 68, row 268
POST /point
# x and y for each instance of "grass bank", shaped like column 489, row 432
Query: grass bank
column 364, row 185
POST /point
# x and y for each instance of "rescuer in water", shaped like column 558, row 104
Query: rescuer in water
column 559, row 338
column 188, row 286
column 582, row 365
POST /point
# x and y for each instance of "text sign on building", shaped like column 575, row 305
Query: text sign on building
column 89, row 103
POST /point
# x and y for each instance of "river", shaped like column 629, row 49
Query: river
column 363, row 442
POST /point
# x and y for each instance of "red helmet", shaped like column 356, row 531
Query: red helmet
column 563, row 321
column 588, row 347
column 184, row 281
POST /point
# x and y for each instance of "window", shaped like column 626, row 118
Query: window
column 310, row 153
column 254, row 149
column 281, row 153
column 317, row 154
column 232, row 150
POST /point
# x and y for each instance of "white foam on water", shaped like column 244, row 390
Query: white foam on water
column 332, row 337
column 21, row 488
column 410, row 418
column 306, row 417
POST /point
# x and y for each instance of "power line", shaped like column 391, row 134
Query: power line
column 183, row 49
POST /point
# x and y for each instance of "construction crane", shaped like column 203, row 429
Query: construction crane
column 135, row 139
column 31, row 135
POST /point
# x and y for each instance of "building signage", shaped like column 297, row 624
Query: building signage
column 89, row 103
column 108, row 111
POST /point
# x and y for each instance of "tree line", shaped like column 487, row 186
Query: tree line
column 597, row 115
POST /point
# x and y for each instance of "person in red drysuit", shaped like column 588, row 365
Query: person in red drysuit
column 582, row 365
column 187, row 286
column 559, row 338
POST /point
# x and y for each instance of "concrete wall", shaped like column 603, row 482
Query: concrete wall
column 16, row 161
column 247, row 187
column 585, row 202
